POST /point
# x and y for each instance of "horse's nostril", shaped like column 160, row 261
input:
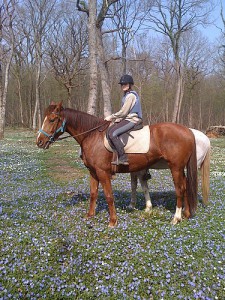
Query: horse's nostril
column 39, row 143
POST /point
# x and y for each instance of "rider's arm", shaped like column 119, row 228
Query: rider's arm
column 125, row 109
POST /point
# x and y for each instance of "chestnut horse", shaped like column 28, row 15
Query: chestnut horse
column 168, row 141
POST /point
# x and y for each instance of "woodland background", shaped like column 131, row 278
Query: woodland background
column 76, row 51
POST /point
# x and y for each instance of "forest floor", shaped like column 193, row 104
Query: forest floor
column 48, row 250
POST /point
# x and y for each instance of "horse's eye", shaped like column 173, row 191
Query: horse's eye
column 51, row 120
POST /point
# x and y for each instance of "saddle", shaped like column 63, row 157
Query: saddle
column 136, row 140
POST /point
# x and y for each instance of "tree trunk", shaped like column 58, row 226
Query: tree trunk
column 20, row 99
column 37, row 110
column 93, row 87
column 179, row 93
column 124, row 59
column 69, row 93
column 2, row 110
column 180, row 97
column 106, row 91
column 3, row 93
column 4, row 79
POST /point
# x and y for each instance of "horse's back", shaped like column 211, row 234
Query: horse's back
column 170, row 129
column 171, row 136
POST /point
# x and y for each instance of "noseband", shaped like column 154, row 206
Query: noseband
column 52, row 136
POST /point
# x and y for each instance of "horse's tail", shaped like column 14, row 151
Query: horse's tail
column 205, row 169
column 192, row 181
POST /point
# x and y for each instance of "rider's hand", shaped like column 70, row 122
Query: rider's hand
column 108, row 118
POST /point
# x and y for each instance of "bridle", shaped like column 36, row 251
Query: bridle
column 60, row 129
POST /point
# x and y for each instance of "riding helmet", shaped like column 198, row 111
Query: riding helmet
column 125, row 79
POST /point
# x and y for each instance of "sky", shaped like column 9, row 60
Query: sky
column 212, row 32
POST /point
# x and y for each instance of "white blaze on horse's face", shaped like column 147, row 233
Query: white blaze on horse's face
column 43, row 126
column 46, row 134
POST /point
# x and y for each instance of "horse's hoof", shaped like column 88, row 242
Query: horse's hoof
column 112, row 224
column 88, row 216
column 148, row 211
column 187, row 214
column 175, row 221
column 130, row 208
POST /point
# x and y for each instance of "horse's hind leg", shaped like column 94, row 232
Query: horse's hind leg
column 144, row 184
column 133, row 177
column 94, row 184
column 180, row 188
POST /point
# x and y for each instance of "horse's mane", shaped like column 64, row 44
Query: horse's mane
column 85, row 121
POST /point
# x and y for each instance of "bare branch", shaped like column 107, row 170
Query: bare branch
column 82, row 8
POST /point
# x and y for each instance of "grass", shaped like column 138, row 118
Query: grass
column 48, row 250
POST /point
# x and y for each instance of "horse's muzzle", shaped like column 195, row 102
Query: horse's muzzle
column 43, row 145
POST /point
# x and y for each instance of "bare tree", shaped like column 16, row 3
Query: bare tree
column 173, row 18
column 20, row 66
column 7, row 11
column 39, row 13
column 96, row 19
column 23, row 67
column 66, row 52
column 92, row 47
column 128, row 17
column 165, row 71
column 222, row 46
column 196, row 55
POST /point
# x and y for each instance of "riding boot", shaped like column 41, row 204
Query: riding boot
column 122, row 157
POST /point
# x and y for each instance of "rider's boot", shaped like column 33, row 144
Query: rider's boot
column 122, row 157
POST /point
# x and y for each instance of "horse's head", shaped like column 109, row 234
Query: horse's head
column 52, row 127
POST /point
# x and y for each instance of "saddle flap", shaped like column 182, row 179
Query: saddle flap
column 137, row 141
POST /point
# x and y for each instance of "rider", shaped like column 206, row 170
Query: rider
column 129, row 115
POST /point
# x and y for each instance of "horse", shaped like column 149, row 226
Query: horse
column 203, row 163
column 171, row 142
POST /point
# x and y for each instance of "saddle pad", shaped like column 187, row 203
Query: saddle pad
column 138, row 143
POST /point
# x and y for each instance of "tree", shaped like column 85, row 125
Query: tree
column 128, row 17
column 39, row 13
column 7, row 43
column 222, row 46
column 197, row 61
column 96, row 52
column 173, row 18
column 66, row 51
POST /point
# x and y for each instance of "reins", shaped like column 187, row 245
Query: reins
column 87, row 131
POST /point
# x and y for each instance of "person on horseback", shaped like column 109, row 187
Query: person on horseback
column 126, row 118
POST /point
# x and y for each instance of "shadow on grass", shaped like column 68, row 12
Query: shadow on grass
column 166, row 200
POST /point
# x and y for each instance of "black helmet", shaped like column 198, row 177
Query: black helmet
column 125, row 79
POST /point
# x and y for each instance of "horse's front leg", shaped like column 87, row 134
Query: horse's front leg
column 94, row 184
column 105, row 179
column 133, row 177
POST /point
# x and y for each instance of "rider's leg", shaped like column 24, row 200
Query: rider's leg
column 114, row 132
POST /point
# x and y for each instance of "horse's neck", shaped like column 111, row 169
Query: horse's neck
column 79, row 124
